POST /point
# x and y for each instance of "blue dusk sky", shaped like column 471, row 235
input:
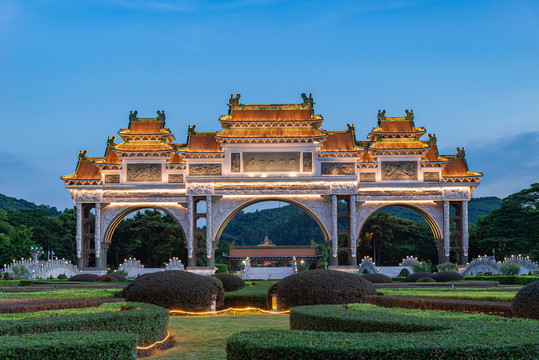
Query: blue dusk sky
column 70, row 72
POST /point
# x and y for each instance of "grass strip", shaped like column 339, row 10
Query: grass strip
column 62, row 294
column 450, row 294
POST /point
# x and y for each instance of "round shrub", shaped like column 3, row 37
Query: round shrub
column 175, row 289
column 425, row 279
column 377, row 278
column 446, row 276
column 230, row 282
column 319, row 287
column 417, row 275
column 525, row 304
column 118, row 277
column 83, row 277
column 404, row 272
column 106, row 278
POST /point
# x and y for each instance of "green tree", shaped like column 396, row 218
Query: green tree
column 511, row 229
column 15, row 241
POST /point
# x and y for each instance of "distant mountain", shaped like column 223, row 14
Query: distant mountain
column 11, row 203
column 291, row 225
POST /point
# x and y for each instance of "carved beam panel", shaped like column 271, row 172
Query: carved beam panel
column 399, row 170
column 112, row 179
column 307, row 161
column 367, row 177
column 235, row 162
column 338, row 168
column 271, row 161
column 143, row 172
column 205, row 169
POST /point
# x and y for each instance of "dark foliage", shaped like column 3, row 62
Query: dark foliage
column 106, row 278
column 526, row 302
column 404, row 272
column 230, row 282
column 11, row 203
column 319, row 287
column 377, row 278
column 179, row 290
column 425, row 280
column 501, row 308
column 418, row 275
column 118, row 277
column 447, row 276
column 34, row 306
column 505, row 280
column 84, row 277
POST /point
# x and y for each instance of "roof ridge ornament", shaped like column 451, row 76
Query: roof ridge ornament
column 432, row 139
column 308, row 101
column 409, row 114
column 191, row 129
column 82, row 155
column 350, row 128
column 460, row 153
column 110, row 141
column 133, row 116
column 234, row 100
column 381, row 116
column 161, row 115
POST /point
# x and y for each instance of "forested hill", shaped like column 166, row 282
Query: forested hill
column 291, row 225
column 11, row 203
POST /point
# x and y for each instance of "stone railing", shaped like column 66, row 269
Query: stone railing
column 367, row 264
column 175, row 264
column 45, row 269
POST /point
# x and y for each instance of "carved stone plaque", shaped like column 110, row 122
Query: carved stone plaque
column 271, row 161
column 175, row 178
column 143, row 172
column 205, row 169
column 112, row 179
column 399, row 170
column 431, row 176
column 367, row 177
column 307, row 161
column 338, row 168
column 235, row 162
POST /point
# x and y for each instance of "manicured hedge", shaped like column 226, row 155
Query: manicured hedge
column 84, row 277
column 458, row 294
column 175, row 289
column 29, row 307
column 69, row 345
column 417, row 275
column 319, row 287
column 377, row 278
column 444, row 335
column 9, row 283
column 230, row 282
column 149, row 322
column 505, row 280
column 467, row 306
column 526, row 302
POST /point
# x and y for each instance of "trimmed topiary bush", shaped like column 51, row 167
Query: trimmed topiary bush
column 118, row 277
column 230, row 282
column 83, row 277
column 404, row 273
column 417, row 275
column 447, row 276
column 377, row 278
column 425, row 279
column 319, row 287
column 175, row 289
column 106, row 278
column 526, row 302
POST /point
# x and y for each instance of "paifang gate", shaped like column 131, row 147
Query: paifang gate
column 270, row 152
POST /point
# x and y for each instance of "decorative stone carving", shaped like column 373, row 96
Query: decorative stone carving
column 190, row 227
column 97, row 231
column 175, row 178
column 367, row 264
column 272, row 189
column 399, row 170
column 334, row 233
column 235, row 162
column 465, row 235
column 411, row 195
column 271, row 161
column 307, row 161
column 431, row 176
column 348, row 188
column 338, row 168
column 456, row 194
column 79, row 230
column 118, row 195
column 83, row 196
column 447, row 231
column 200, row 189
column 209, row 233
column 367, row 177
column 143, row 172
column 205, row 169
column 483, row 265
column 112, row 179
column 353, row 226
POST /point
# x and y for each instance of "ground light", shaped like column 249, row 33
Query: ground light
column 154, row 344
column 220, row 312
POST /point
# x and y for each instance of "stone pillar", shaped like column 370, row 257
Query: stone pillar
column 447, row 232
column 80, row 263
column 99, row 262
column 465, row 235
column 333, row 259
column 103, row 260
column 353, row 231
column 191, row 260
column 210, row 254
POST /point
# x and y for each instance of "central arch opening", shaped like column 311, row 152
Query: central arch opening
column 150, row 235
column 282, row 225
column 393, row 232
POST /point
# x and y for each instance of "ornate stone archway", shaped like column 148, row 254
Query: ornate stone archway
column 269, row 152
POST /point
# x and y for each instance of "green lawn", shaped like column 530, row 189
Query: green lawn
column 451, row 294
column 205, row 337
